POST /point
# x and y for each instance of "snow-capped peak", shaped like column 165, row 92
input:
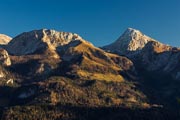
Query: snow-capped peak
column 131, row 32
column 130, row 40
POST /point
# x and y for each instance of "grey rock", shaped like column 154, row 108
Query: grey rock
column 131, row 40
column 38, row 40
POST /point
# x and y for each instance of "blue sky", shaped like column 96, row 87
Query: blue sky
column 98, row 21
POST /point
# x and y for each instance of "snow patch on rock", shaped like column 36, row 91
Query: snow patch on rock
column 130, row 40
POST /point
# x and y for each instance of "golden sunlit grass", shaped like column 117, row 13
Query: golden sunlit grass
column 100, row 76
column 96, row 64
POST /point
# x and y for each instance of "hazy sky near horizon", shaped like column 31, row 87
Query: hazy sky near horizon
column 98, row 21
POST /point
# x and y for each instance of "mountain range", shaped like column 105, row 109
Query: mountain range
column 46, row 74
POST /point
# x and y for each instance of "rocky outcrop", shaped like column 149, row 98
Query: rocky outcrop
column 39, row 40
column 4, row 58
column 131, row 40
column 4, row 39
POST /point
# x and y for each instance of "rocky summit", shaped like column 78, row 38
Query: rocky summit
column 51, row 75
column 131, row 40
column 38, row 40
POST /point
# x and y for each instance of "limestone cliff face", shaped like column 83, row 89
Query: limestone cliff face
column 4, row 58
column 5, row 75
column 4, row 39
column 39, row 40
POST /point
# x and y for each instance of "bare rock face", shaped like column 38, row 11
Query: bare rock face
column 4, row 58
column 4, row 39
column 5, row 76
column 130, row 41
column 39, row 40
